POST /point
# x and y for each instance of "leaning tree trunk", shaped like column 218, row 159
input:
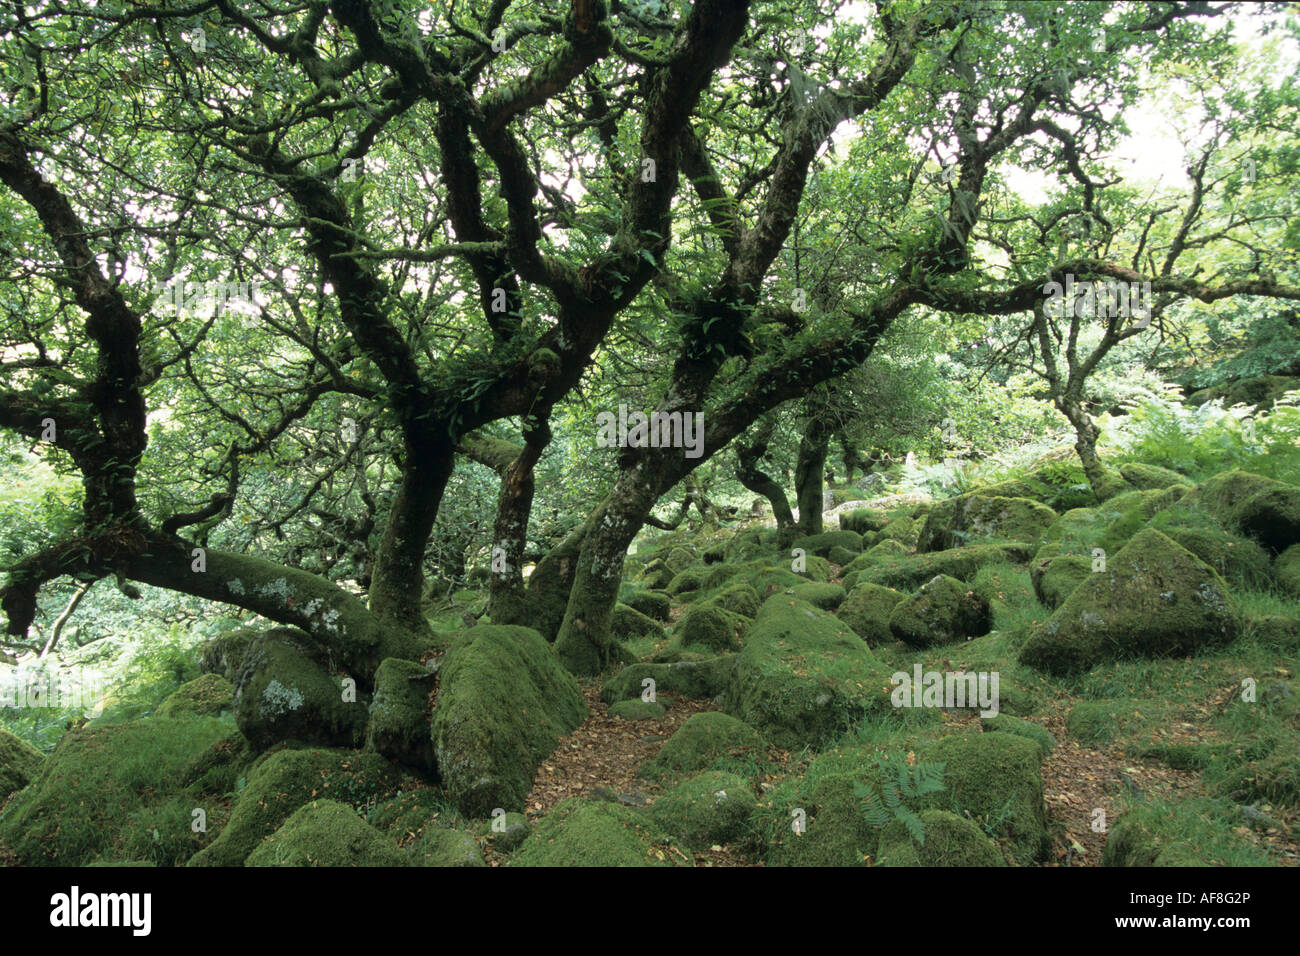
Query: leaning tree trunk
column 748, row 456
column 507, row 597
column 1105, row 483
column 810, row 468
column 549, row 585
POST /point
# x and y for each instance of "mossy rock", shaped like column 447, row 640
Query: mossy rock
column 1005, row 723
column 637, row 709
column 1145, row 477
column 710, row 629
column 285, row 692
column 1261, row 391
column 906, row 530
column 442, row 846
column 285, row 780
column 407, row 812
column 709, row 740
column 738, row 599
column 946, row 840
column 1286, row 570
column 507, row 831
column 996, row 778
column 863, row 520
column 19, row 763
column 655, row 576
column 942, row 611
column 1107, row 527
column 692, row 579
column 326, row 833
column 867, row 609
column 907, row 574
column 825, row 596
column 972, row 517
column 1154, row 599
column 207, row 696
column 699, row 680
column 1264, row 508
column 710, row 808
column 81, row 800
column 504, row 701
column 400, row 715
column 841, row 556
column 1059, row 577
column 822, row 824
column 216, row 771
column 627, row 623
column 585, row 833
column 1240, row 561
column 804, row 677
column 653, row 604
column 224, row 653
column 821, row 544
column 1133, row 842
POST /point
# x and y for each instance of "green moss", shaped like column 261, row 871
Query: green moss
column 692, row 579
column 400, row 714
column 841, row 556
column 1059, row 577
column 710, row 629
column 223, row 654
column 819, row 823
column 707, row 741
column 974, row 516
column 1274, row 778
column 711, row 808
column 1101, row 721
column 584, row 833
column 208, row 696
column 942, row 611
column 907, row 574
column 701, row 680
column 1005, row 723
column 1145, row 477
column 738, row 599
column 504, row 701
column 1239, row 560
column 1134, row 842
column 821, row 544
column 862, row 520
column 995, row 777
column 86, row 791
column 803, row 676
column 326, row 833
column 442, row 846
column 825, row 596
column 866, row 610
column 653, row 604
column 1154, row 599
column 283, row 781
column 19, row 762
column 284, row 692
column 637, row 709
column 1286, row 570
column 216, row 771
column 627, row 623
column 947, row 840
column 1264, row 508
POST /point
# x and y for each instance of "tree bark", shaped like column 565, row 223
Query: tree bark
column 748, row 456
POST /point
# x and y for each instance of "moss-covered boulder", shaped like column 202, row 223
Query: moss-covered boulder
column 863, row 520
column 692, row 579
column 1264, row 508
column 867, row 609
column 943, row 610
column 208, row 696
column 821, row 823
column 1261, row 391
column 996, row 778
column 90, row 796
column 974, row 517
column 442, row 846
column 1057, row 578
column 821, row 544
column 1286, row 570
column 224, row 653
column 19, row 762
column 587, row 833
column 825, row 596
column 1145, row 477
column 909, row 573
column 699, row 680
column 285, row 780
column 327, row 833
column 637, row 709
column 710, row 740
column 840, row 556
column 710, row 808
column 1154, row 599
column 1239, row 560
column 284, row 691
column 946, row 840
column 504, row 701
column 804, row 676
column 738, row 599
column 710, row 629
column 653, row 604
column 1006, row 723
column 627, row 623
column 400, row 714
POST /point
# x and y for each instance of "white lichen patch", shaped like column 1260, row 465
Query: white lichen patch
column 235, row 586
column 278, row 699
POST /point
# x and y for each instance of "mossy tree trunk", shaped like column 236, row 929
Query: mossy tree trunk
column 810, row 466
column 749, row 454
